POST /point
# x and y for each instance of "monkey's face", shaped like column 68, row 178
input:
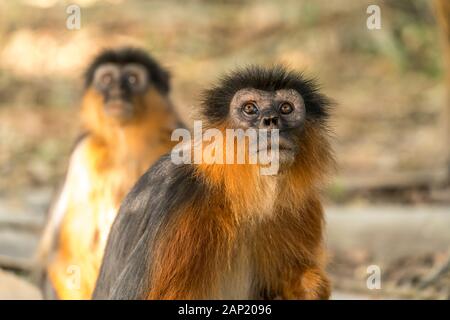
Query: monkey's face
column 271, row 98
column 119, row 84
column 282, row 109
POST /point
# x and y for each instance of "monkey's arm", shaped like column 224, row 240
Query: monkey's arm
column 306, row 279
column 126, row 266
column 49, row 238
column 48, row 241
column 55, row 215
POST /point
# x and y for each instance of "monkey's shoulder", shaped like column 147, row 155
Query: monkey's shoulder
column 92, row 156
column 80, row 162
column 154, row 199
column 164, row 188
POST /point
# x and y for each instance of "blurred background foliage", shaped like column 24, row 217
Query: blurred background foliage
column 388, row 83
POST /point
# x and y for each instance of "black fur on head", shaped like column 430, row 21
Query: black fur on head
column 216, row 100
column 158, row 76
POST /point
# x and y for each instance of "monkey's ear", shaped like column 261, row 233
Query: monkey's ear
column 161, row 80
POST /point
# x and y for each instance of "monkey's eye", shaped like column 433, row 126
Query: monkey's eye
column 132, row 79
column 286, row 108
column 250, row 108
column 106, row 79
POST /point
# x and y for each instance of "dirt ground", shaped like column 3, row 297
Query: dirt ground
column 15, row 288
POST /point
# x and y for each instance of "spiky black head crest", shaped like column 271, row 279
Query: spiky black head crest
column 158, row 76
column 216, row 101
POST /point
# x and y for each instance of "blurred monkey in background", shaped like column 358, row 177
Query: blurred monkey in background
column 128, row 119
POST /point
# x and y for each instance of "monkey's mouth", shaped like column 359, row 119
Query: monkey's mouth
column 276, row 148
column 119, row 108
column 283, row 152
column 283, row 145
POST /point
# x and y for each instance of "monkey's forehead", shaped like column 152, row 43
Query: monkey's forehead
column 132, row 66
column 252, row 94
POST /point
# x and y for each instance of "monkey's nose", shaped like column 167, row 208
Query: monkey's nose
column 116, row 92
column 269, row 122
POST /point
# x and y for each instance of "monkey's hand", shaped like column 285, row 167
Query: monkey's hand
column 311, row 284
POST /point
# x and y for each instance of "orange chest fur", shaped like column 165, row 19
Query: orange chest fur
column 99, row 183
column 97, row 198
column 235, row 250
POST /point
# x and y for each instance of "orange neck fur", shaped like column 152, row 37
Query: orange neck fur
column 135, row 137
column 247, row 191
